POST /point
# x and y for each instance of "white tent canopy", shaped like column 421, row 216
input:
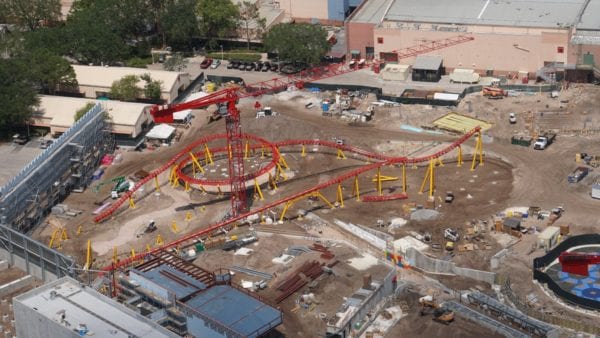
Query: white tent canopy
column 161, row 132
column 184, row 115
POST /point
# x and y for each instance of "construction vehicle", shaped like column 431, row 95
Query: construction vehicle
column 578, row 174
column 121, row 186
column 149, row 228
column 449, row 246
column 512, row 119
column 451, row 235
column 449, row 197
column 544, row 140
column 439, row 312
column 494, row 92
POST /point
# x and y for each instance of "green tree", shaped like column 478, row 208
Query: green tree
column 179, row 24
column 47, row 70
column 17, row 97
column 176, row 63
column 31, row 13
column 254, row 25
column 92, row 40
column 218, row 19
column 152, row 88
column 81, row 111
column 298, row 42
column 125, row 89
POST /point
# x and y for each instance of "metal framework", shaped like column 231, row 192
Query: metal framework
column 65, row 166
column 429, row 46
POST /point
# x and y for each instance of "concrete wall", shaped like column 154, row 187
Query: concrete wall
column 362, row 234
column 32, row 324
column 15, row 285
column 437, row 266
column 3, row 265
column 502, row 49
column 359, row 36
column 498, row 258
column 32, row 269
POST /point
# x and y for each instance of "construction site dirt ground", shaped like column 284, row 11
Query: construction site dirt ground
column 511, row 175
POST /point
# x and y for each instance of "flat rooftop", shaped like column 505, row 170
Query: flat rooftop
column 103, row 316
column 521, row 13
column 173, row 280
column 236, row 310
column 371, row 11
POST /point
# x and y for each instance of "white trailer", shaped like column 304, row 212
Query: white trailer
column 464, row 76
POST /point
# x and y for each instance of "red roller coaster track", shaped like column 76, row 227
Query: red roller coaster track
column 385, row 160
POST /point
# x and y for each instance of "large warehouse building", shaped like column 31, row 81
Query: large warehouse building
column 509, row 36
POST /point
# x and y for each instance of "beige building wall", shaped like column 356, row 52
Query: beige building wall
column 93, row 92
column 502, row 49
column 305, row 9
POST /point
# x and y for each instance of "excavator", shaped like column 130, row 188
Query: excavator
column 439, row 312
column 494, row 92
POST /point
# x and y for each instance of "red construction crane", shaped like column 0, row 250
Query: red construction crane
column 227, row 99
column 578, row 263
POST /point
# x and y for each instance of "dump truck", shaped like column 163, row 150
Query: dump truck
column 578, row 174
column 544, row 141
column 440, row 313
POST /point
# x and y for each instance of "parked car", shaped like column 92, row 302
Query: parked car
column 45, row 143
column 250, row 66
column 206, row 63
column 266, row 66
column 274, row 67
column 258, row 66
column 242, row 65
column 215, row 64
column 233, row 64
column 20, row 139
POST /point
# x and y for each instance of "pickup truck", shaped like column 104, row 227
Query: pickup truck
column 543, row 141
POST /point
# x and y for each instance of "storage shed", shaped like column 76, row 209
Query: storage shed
column 394, row 72
column 427, row 68
column 512, row 223
column 548, row 238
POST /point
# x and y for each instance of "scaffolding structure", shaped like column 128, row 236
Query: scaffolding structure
column 67, row 165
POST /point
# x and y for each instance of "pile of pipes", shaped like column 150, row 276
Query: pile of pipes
column 325, row 253
column 308, row 272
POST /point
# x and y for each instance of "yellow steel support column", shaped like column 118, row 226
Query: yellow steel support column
column 53, row 238
column 404, row 177
column 378, row 183
column 159, row 240
column 156, row 184
column 272, row 182
column 148, row 248
column 88, row 255
column 132, row 252
column 340, row 154
column 356, row 189
column 188, row 216
column 340, row 195
column 219, row 193
column 431, row 178
column 257, row 191
column 115, row 255
column 478, row 152
column 208, row 155
column 427, row 174
column 174, row 227
column 439, row 162
column 319, row 195
column 196, row 163
column 303, row 151
column 287, row 205
column 247, row 149
column 79, row 229
column 229, row 151
column 131, row 203
column 282, row 160
column 459, row 162
column 262, row 152
column 280, row 173
column 63, row 235
column 187, row 186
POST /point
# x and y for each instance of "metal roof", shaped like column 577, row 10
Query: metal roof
column 521, row 13
column 371, row 11
column 172, row 280
column 61, row 110
column 428, row 62
column 103, row 77
column 80, row 305
column 236, row 310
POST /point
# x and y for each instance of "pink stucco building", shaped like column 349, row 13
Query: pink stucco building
column 509, row 36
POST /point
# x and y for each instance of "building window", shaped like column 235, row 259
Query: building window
column 380, row 40
column 560, row 50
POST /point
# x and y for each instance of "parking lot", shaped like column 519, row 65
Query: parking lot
column 19, row 156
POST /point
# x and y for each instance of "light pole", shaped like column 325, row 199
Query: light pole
column 222, row 58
